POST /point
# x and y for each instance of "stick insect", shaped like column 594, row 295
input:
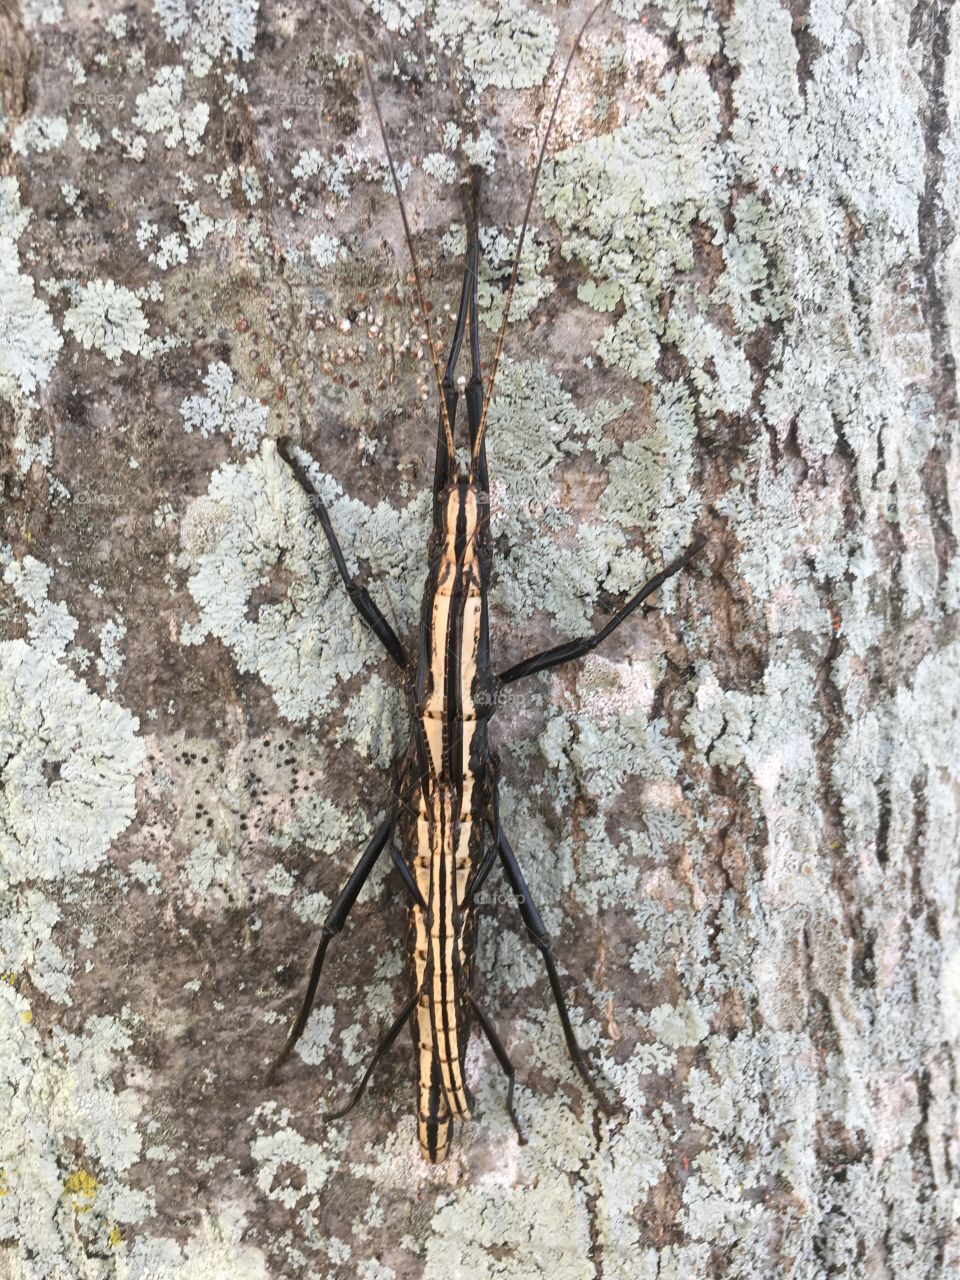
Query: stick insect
column 443, row 830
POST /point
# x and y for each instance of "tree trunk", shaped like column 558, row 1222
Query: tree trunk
column 736, row 314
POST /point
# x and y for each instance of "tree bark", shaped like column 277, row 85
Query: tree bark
column 736, row 315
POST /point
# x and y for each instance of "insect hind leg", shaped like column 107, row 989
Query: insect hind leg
column 496, row 1044
column 538, row 932
column 384, row 1044
column 336, row 919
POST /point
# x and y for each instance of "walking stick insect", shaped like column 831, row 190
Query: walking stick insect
column 443, row 829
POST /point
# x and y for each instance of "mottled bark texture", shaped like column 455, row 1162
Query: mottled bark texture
column 737, row 313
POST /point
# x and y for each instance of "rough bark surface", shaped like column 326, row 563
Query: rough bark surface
column 737, row 313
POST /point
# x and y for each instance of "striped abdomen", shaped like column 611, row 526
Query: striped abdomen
column 443, row 956
column 447, row 841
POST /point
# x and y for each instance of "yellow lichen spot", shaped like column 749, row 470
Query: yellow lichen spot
column 9, row 978
column 26, row 1015
column 115, row 1237
column 81, row 1187
column 4, row 1184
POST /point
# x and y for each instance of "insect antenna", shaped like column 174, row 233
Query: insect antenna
column 501, row 336
column 445, row 417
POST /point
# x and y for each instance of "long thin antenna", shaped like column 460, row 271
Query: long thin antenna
column 475, row 451
column 447, row 429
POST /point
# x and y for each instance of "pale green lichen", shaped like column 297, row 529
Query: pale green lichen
column 215, row 1251
column 27, row 921
column 111, row 654
column 211, row 29
column 86, row 135
column 316, row 821
column 374, row 722
column 627, row 203
column 159, row 111
column 64, row 1101
column 29, row 341
column 148, row 874
column 40, row 12
column 70, row 758
column 509, row 46
column 398, row 15
column 678, row 1025
column 223, row 409
column 277, row 1153
column 325, row 249
column 440, row 167
column 215, row 873
column 108, row 317
column 912, row 735
column 174, row 249
column 39, row 134
column 557, row 561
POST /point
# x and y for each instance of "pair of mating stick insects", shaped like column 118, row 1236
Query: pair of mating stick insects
column 443, row 828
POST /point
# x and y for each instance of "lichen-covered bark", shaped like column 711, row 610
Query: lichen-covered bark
column 737, row 313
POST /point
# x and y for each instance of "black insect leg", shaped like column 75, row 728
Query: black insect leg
column 531, row 918
column 496, row 1044
column 361, row 598
column 407, row 877
column 334, row 922
column 486, row 866
column 577, row 648
column 445, row 467
column 474, row 395
column 385, row 1043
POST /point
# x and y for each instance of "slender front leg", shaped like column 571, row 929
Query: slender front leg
column 531, row 918
column 334, row 922
column 474, row 394
column 577, row 648
column 445, row 468
column 362, row 601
